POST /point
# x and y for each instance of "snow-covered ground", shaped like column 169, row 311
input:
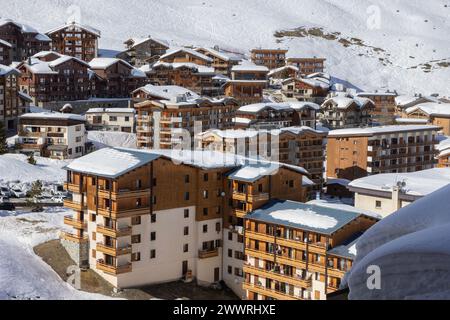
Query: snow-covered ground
column 15, row 167
column 23, row 275
column 411, row 249
column 103, row 139
column 378, row 44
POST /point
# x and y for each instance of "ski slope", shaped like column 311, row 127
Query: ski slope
column 409, row 33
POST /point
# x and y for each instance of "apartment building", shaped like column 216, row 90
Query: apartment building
column 23, row 41
column 312, row 89
column 171, row 121
column 443, row 153
column 123, row 213
column 435, row 113
column 49, row 76
column 277, row 76
column 76, row 40
column 54, row 135
column 247, row 83
column 307, row 66
column 223, row 61
column 300, row 146
column 385, row 109
column 345, row 111
column 5, row 53
column 359, row 152
column 13, row 102
column 270, row 58
column 276, row 115
column 198, row 78
column 115, row 78
column 111, row 119
column 186, row 55
column 297, row 251
column 142, row 51
column 387, row 193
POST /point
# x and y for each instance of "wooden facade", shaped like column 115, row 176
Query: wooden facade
column 384, row 112
column 222, row 62
column 308, row 66
column 24, row 40
column 345, row 112
column 294, row 89
column 140, row 52
column 5, row 53
column 271, row 58
column 75, row 40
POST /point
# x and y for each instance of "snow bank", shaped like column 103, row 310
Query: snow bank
column 411, row 249
column 103, row 139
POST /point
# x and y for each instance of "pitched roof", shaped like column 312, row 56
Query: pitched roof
column 248, row 66
column 53, row 115
column 105, row 63
column 5, row 70
column 282, row 106
column 221, row 54
column 380, row 130
column 188, row 51
column 76, row 25
column 168, row 92
column 5, row 43
column 432, row 109
column 139, row 41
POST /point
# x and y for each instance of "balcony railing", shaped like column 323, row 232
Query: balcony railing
column 113, row 251
column 114, row 233
column 73, row 237
column 115, row 270
column 77, row 224
column 211, row 253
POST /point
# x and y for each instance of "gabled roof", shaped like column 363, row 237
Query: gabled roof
column 53, row 115
column 220, row 54
column 177, row 65
column 281, row 106
column 188, row 51
column 105, row 63
column 288, row 67
column 5, row 43
column 371, row 131
column 5, row 70
column 38, row 66
column 342, row 102
column 431, row 109
column 76, row 25
column 139, row 41
column 247, row 66
column 24, row 28
column 168, row 92
column 260, row 169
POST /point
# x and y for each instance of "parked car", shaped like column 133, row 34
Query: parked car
column 5, row 192
column 7, row 206
column 18, row 193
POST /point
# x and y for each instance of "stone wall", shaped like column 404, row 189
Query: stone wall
column 78, row 252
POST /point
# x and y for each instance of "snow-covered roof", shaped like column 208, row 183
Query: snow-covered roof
column 138, row 41
column 260, row 169
column 111, row 110
column 381, row 130
column 341, row 182
column 169, row 93
column 53, row 115
column 38, row 66
column 220, row 54
column 316, row 82
column 76, row 25
column 409, row 101
column 411, row 120
column 282, row 106
column 5, row 70
column 418, row 184
column 188, row 51
column 105, row 63
column 24, row 28
column 344, row 102
column 247, row 66
column 5, row 43
column 25, row 96
column 309, row 217
column 444, row 147
column 288, row 67
column 376, row 93
column 339, row 205
column 431, row 109
column 241, row 120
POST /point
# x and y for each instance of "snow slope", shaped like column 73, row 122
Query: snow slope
column 23, row 275
column 404, row 34
column 411, row 249
column 15, row 167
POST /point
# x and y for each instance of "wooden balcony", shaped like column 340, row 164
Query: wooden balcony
column 75, row 188
column 114, row 270
column 293, row 280
column 258, row 197
column 205, row 254
column 260, row 255
column 73, row 237
column 122, row 194
column 74, row 205
column 268, row 292
column 239, row 196
column 116, row 214
column 240, row 213
column 114, row 233
column 77, row 224
column 114, row 252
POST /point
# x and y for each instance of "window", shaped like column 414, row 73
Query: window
column 136, row 257
column 94, row 236
column 136, row 239
column 205, row 177
column 153, row 218
column 186, row 231
column 291, row 183
column 127, row 119
column 378, row 204
column 230, row 236
column 153, row 236
column 205, row 194
column 94, row 254
column 152, row 254
column 135, row 221
column 205, row 211
column 186, row 248
column 112, row 118
column 230, row 253
column 186, row 213
column 154, row 182
column 138, row 184
column 93, row 217
column 138, row 203
column 186, row 178
column 205, row 228
column 186, row 196
column 230, row 269
column 238, row 272
column 260, row 188
column 218, row 227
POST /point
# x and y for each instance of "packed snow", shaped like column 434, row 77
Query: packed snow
column 23, row 275
column 411, row 249
column 103, row 139
column 305, row 217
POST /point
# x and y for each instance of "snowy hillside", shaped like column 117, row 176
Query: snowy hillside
column 393, row 44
